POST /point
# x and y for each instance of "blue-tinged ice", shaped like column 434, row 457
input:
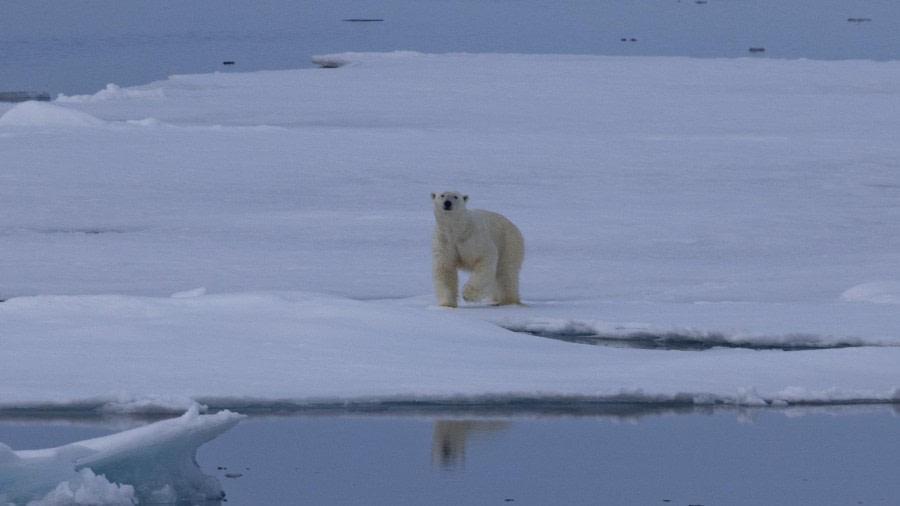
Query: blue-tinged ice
column 154, row 463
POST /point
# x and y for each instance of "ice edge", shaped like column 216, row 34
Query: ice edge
column 512, row 403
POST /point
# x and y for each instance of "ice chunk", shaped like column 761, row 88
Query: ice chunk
column 148, row 464
column 87, row 488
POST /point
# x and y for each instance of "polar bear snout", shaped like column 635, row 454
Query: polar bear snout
column 449, row 201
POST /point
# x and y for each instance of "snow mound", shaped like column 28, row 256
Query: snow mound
column 42, row 114
column 114, row 92
column 150, row 464
column 881, row 292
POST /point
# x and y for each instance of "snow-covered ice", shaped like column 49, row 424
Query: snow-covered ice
column 246, row 239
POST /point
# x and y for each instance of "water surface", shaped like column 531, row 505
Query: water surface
column 79, row 47
column 632, row 454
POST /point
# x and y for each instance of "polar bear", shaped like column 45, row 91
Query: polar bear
column 481, row 242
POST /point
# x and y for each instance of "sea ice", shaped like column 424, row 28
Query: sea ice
column 150, row 464
column 734, row 201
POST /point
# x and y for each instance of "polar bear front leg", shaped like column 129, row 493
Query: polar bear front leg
column 446, row 282
column 481, row 280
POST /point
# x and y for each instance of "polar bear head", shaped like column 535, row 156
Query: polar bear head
column 449, row 201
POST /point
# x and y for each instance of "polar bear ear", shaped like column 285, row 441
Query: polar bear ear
column 433, row 195
column 465, row 198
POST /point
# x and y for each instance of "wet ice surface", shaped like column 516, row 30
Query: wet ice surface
column 614, row 454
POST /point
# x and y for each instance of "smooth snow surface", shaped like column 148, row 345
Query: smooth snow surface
column 241, row 240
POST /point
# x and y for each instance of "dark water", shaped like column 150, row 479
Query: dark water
column 79, row 47
column 629, row 455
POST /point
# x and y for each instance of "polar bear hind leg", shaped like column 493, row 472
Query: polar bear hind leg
column 506, row 289
column 483, row 278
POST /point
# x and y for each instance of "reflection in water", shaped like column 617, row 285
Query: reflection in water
column 448, row 446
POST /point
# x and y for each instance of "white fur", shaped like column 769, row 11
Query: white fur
column 481, row 242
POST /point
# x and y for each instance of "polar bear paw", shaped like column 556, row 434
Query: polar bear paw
column 472, row 294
